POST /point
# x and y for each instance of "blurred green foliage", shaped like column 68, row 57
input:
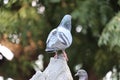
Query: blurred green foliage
column 96, row 47
column 110, row 35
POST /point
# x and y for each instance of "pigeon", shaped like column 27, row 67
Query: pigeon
column 60, row 38
column 82, row 74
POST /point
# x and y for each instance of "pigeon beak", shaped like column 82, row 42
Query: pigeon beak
column 76, row 74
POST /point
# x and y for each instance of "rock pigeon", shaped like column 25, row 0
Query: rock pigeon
column 82, row 74
column 60, row 38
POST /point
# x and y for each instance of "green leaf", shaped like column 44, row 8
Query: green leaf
column 55, row 1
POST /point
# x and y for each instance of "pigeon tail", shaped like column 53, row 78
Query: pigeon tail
column 49, row 50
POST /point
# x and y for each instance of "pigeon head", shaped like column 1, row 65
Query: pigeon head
column 82, row 74
column 66, row 22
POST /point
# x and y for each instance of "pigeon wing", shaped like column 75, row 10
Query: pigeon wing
column 52, row 33
column 65, row 36
column 51, row 41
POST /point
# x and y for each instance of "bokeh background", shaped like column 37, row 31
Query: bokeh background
column 25, row 25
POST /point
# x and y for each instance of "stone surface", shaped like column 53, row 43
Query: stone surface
column 57, row 69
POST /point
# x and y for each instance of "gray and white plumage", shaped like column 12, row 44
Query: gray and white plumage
column 82, row 74
column 60, row 38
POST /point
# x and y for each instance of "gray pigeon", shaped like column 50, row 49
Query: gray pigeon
column 82, row 74
column 60, row 38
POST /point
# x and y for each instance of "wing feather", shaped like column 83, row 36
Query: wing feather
column 50, row 35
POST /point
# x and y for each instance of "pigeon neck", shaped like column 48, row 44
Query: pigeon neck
column 66, row 25
column 83, row 78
